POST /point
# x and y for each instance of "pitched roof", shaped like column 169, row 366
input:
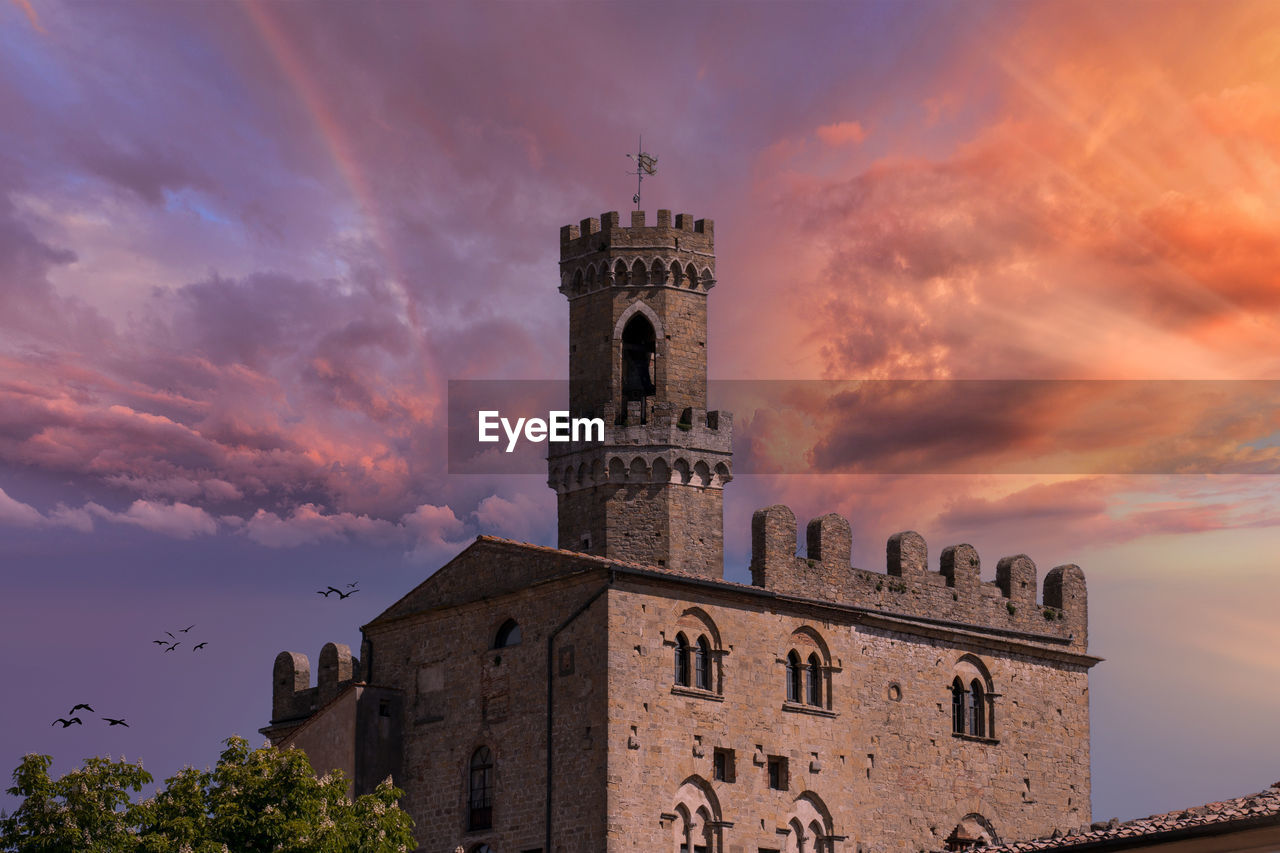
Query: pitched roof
column 1240, row 813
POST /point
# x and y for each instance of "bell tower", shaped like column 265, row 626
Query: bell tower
column 652, row 491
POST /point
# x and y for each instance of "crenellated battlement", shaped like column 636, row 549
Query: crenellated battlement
column 600, row 253
column 954, row 593
column 293, row 698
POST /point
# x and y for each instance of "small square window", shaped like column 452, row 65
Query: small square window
column 723, row 765
column 384, row 708
column 778, row 773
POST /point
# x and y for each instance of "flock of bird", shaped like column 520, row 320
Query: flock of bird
column 341, row 595
column 76, row 721
column 173, row 642
column 169, row 645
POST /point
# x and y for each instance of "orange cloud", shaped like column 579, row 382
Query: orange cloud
column 841, row 133
column 30, row 12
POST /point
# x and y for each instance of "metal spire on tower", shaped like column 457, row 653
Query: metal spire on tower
column 646, row 164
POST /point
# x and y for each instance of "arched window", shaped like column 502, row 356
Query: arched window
column 795, row 677
column 508, row 635
column 480, row 793
column 682, row 660
column 809, row 828
column 977, row 710
column 699, row 654
column 973, row 832
column 695, row 824
column 639, row 343
column 702, row 664
column 973, row 695
column 813, row 681
column 817, row 841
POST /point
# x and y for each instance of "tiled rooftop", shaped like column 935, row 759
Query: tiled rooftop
column 1265, row 804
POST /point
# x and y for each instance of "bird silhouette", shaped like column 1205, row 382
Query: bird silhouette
column 199, row 646
column 171, row 648
column 186, row 629
column 114, row 722
column 171, row 636
column 65, row 722
column 78, row 707
column 350, row 585
column 325, row 592
column 341, row 594
column 160, row 642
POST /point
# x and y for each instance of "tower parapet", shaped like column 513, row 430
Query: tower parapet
column 294, row 698
column 954, row 593
column 651, row 491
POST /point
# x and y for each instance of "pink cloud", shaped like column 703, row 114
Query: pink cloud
column 181, row 521
column 18, row 514
column 522, row 518
column 307, row 525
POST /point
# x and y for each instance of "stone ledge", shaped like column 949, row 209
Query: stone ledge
column 695, row 693
column 813, row 710
column 990, row 741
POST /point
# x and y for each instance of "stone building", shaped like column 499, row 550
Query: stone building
column 618, row 694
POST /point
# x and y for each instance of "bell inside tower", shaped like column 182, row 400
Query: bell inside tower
column 639, row 346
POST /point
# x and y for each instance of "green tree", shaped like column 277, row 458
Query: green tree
column 88, row 810
column 254, row 801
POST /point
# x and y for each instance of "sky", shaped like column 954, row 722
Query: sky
column 245, row 246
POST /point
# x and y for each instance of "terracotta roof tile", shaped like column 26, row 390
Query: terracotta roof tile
column 1266, row 803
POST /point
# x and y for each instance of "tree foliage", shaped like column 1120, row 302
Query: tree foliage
column 254, row 801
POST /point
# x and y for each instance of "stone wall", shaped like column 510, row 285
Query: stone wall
column 877, row 758
column 461, row 693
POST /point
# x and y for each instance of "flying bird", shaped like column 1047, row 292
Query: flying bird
column 114, row 722
column 171, row 648
column 160, row 642
column 325, row 592
column 350, row 585
column 66, row 722
column 78, row 707
column 171, row 636
column 186, row 629
column 199, row 646
column 341, row 594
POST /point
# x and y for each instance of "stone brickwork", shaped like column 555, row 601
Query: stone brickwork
column 650, row 492
column 954, row 593
column 876, row 761
column 461, row 693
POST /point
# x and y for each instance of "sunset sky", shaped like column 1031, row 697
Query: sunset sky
column 244, row 247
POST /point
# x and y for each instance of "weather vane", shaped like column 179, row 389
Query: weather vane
column 646, row 164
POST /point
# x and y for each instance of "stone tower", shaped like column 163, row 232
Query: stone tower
column 651, row 492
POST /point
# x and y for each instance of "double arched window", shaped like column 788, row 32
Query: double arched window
column 480, row 790
column 695, row 821
column 693, row 665
column 697, row 653
column 972, row 699
column 807, row 670
column 809, row 827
